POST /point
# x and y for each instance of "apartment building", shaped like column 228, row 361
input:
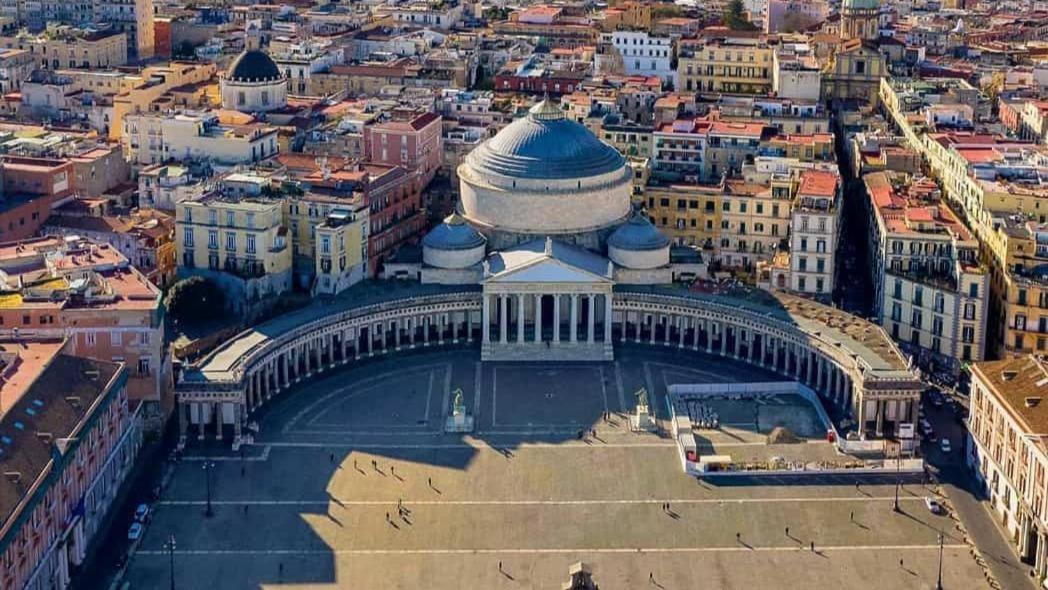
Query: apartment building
column 89, row 292
column 237, row 238
column 1007, row 425
column 814, row 233
column 930, row 290
column 139, row 92
column 15, row 67
column 133, row 18
column 412, row 140
column 725, row 62
column 164, row 186
column 995, row 184
column 643, row 54
column 61, row 47
column 70, row 435
column 679, row 150
column 153, row 138
column 736, row 222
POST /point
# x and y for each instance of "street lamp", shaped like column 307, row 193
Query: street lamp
column 938, row 584
column 170, row 546
column 209, row 466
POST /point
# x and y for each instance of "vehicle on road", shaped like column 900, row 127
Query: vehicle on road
column 142, row 512
column 933, row 505
column 135, row 532
column 944, row 445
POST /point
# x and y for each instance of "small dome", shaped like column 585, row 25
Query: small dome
column 545, row 145
column 453, row 234
column 861, row 4
column 638, row 234
column 254, row 66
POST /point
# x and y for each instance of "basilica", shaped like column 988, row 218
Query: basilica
column 545, row 225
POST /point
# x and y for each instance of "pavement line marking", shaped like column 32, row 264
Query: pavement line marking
column 604, row 388
column 572, row 444
column 494, row 392
column 542, row 551
column 651, row 389
column 681, row 501
column 445, row 400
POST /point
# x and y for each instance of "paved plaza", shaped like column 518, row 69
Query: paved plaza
column 314, row 503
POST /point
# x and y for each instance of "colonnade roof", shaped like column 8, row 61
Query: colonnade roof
column 219, row 363
column 855, row 335
column 865, row 339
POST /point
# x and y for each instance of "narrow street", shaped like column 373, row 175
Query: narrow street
column 854, row 290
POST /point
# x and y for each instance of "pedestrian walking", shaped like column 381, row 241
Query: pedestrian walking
column 813, row 546
column 400, row 506
column 651, row 577
column 355, row 464
column 430, row 480
column 500, row 566
column 738, row 536
column 392, row 470
column 787, row 531
column 901, row 565
column 387, row 517
column 851, row 517
column 331, row 457
column 245, row 509
column 374, row 464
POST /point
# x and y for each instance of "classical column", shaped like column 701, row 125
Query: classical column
column 591, row 322
column 469, row 326
column 427, row 323
column 520, row 318
column 556, row 317
column 640, row 326
column 203, row 417
column 654, row 326
column 237, row 415
column 723, row 339
column 181, row 408
column 738, row 341
column 574, row 331
column 669, row 330
column 880, row 418
column 682, row 328
column 217, row 407
column 503, row 301
column 396, row 332
column 775, row 354
column 485, row 320
column 696, row 327
column 607, row 321
column 538, row 317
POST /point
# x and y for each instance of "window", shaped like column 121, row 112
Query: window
column 969, row 311
column 230, row 218
column 231, row 241
column 212, row 239
column 241, row 98
column 143, row 366
column 325, row 245
column 212, row 217
column 90, row 338
column 916, row 319
column 187, row 237
column 250, row 220
column 250, row 243
column 973, row 290
column 116, row 338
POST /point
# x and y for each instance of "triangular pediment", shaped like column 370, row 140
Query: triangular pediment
column 547, row 270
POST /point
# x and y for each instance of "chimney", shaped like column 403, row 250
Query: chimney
column 1032, row 402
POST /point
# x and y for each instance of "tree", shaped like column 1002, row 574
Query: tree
column 195, row 300
column 735, row 17
column 666, row 11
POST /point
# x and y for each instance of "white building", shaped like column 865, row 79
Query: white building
column 796, row 73
column 1008, row 425
column 814, row 232
column 645, row 55
column 166, row 185
column 153, row 138
column 930, row 290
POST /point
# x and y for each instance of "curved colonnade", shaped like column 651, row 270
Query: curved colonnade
column 873, row 385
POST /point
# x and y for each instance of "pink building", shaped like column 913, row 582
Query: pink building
column 68, row 439
column 412, row 140
column 787, row 16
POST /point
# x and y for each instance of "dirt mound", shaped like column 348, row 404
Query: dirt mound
column 782, row 436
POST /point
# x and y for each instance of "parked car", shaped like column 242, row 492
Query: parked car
column 142, row 512
column 944, row 445
column 933, row 505
column 135, row 532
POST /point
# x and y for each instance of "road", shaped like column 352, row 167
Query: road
column 968, row 504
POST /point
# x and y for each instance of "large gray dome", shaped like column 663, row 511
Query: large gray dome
column 545, row 145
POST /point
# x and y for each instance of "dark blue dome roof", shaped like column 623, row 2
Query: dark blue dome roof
column 638, row 233
column 254, row 66
column 545, row 144
column 453, row 234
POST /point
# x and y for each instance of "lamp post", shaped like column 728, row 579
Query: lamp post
column 170, row 546
column 938, row 583
column 209, row 466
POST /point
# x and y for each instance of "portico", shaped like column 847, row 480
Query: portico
column 546, row 300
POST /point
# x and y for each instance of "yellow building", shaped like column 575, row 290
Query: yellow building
column 627, row 14
column 737, row 223
column 238, row 240
column 735, row 63
column 329, row 239
column 66, row 47
column 142, row 90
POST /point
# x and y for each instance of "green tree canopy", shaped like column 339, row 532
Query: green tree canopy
column 735, row 17
column 195, row 300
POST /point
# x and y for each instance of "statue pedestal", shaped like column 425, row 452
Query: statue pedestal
column 642, row 420
column 459, row 423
